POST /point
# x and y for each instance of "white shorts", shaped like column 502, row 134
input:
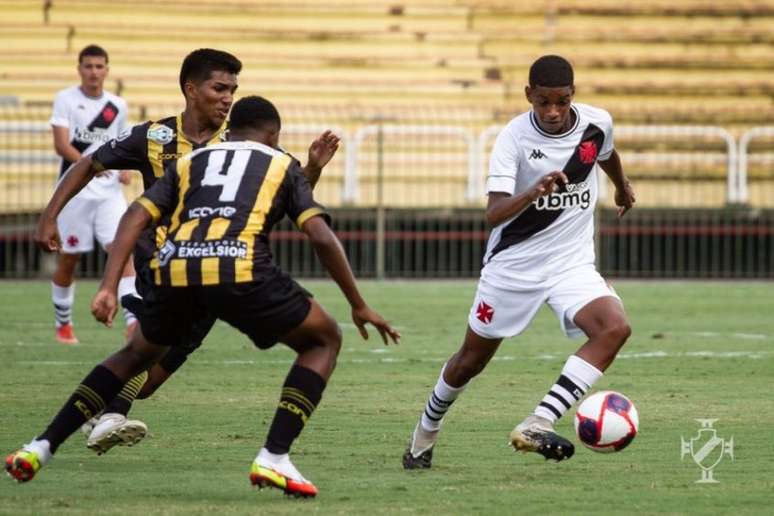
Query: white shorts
column 504, row 309
column 85, row 218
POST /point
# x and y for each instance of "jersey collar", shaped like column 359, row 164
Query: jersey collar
column 218, row 137
column 534, row 122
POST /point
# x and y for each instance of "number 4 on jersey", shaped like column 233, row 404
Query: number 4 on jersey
column 229, row 179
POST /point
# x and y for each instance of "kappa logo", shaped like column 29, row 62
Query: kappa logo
column 537, row 154
column 161, row 134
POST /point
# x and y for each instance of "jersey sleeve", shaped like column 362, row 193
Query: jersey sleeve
column 59, row 115
column 128, row 151
column 161, row 198
column 301, row 205
column 503, row 163
column 608, row 146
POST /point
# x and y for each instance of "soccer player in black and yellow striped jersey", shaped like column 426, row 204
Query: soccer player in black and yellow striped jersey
column 222, row 202
column 208, row 80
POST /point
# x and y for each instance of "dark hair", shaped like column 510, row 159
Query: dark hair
column 551, row 72
column 92, row 51
column 253, row 112
column 199, row 65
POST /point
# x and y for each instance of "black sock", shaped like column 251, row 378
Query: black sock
column 87, row 400
column 122, row 403
column 301, row 393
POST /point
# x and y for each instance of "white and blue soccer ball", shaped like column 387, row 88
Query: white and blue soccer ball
column 606, row 421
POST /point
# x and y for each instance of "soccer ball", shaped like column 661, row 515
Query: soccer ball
column 606, row 421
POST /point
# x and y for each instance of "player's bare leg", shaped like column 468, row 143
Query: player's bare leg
column 317, row 341
column 63, row 294
column 603, row 320
column 464, row 365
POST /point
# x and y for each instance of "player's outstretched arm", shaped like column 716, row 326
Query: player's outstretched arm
column 501, row 206
column 624, row 193
column 321, row 151
column 74, row 180
column 332, row 256
column 104, row 304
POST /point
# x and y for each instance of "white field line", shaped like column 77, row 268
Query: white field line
column 754, row 355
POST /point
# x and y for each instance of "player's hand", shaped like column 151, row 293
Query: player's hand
column 104, row 307
column 548, row 184
column 624, row 198
column 47, row 235
column 361, row 316
column 322, row 149
column 125, row 177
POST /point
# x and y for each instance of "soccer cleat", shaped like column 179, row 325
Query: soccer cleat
column 536, row 434
column 22, row 465
column 89, row 425
column 115, row 430
column 270, row 470
column 419, row 453
column 65, row 334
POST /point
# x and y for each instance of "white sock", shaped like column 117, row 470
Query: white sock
column 42, row 448
column 126, row 287
column 63, row 298
column 576, row 379
column 272, row 458
column 438, row 403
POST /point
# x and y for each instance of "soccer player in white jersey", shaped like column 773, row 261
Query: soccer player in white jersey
column 85, row 117
column 542, row 190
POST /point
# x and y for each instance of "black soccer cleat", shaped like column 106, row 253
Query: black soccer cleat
column 423, row 461
column 536, row 435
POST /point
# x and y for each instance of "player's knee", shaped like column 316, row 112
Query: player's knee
column 619, row 332
column 332, row 337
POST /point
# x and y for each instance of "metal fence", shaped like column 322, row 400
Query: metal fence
column 408, row 199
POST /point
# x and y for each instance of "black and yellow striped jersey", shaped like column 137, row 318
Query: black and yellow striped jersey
column 222, row 202
column 148, row 148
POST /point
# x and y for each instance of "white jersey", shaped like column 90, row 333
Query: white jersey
column 556, row 231
column 91, row 122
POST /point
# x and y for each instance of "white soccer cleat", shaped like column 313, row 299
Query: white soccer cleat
column 115, row 430
column 271, row 470
column 89, row 425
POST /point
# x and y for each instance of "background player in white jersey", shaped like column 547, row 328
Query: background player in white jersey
column 542, row 191
column 85, row 117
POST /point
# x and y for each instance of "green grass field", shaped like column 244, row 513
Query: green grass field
column 699, row 350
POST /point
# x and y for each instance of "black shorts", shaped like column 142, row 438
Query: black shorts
column 200, row 327
column 264, row 310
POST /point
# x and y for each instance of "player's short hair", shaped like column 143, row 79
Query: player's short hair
column 199, row 65
column 253, row 112
column 92, row 51
column 551, row 72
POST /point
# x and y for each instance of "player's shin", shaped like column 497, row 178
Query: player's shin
column 88, row 399
column 573, row 383
column 122, row 403
column 425, row 433
column 301, row 393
